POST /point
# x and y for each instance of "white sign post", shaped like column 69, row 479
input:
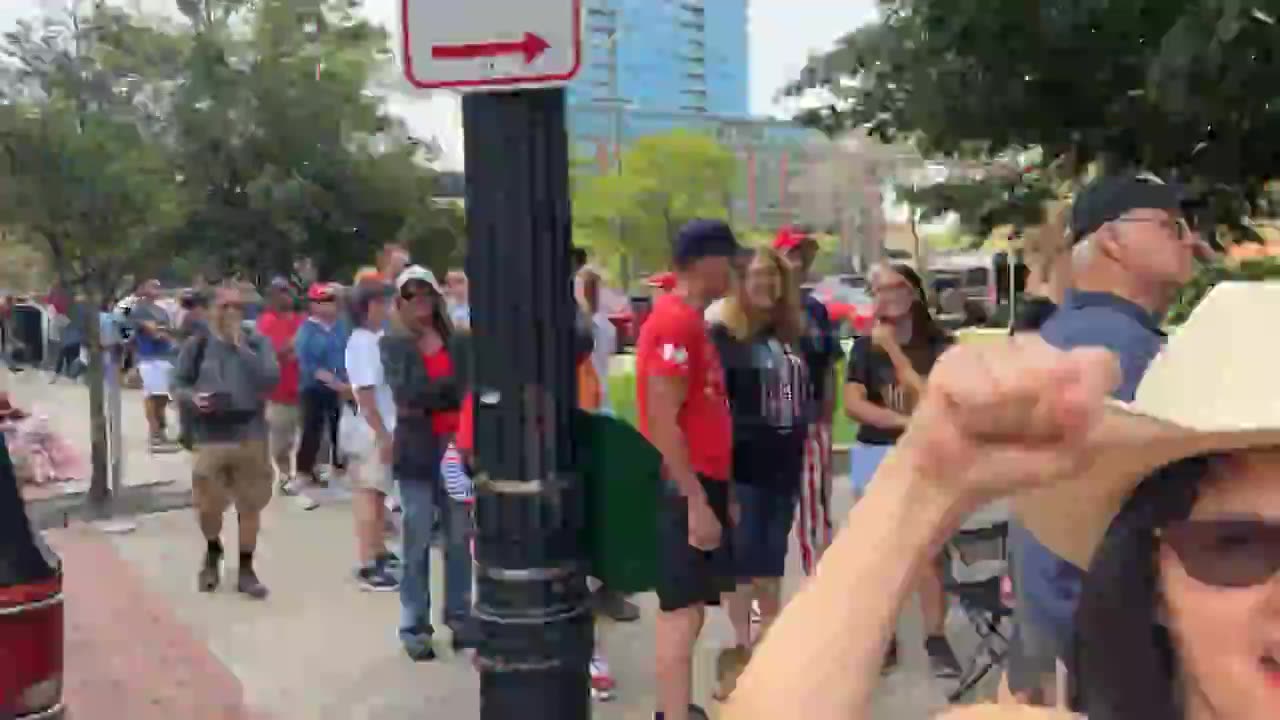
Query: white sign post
column 490, row 44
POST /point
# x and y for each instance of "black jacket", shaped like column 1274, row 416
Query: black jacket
column 417, row 449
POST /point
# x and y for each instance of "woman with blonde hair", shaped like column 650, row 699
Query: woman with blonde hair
column 757, row 336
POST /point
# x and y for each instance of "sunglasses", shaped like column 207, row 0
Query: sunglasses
column 1226, row 553
column 409, row 294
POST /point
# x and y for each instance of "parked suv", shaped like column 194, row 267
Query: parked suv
column 31, row 623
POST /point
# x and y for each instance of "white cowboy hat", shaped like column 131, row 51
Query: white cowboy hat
column 1212, row 389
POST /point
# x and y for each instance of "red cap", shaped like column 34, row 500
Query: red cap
column 321, row 291
column 665, row 281
column 789, row 239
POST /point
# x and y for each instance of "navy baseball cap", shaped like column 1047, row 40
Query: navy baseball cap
column 1108, row 198
column 700, row 239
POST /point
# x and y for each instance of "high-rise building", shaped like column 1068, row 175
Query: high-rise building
column 652, row 66
column 665, row 55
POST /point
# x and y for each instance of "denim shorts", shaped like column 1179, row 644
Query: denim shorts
column 760, row 538
column 864, row 460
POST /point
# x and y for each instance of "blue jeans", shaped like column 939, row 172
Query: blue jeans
column 419, row 500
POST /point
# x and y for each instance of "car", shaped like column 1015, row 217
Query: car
column 850, row 308
column 31, row 611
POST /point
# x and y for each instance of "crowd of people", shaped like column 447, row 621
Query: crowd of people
column 1143, row 553
column 1144, row 547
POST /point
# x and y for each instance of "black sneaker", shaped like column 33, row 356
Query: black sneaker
column 890, row 662
column 942, row 659
column 210, row 572
column 419, row 649
column 389, row 562
column 375, row 579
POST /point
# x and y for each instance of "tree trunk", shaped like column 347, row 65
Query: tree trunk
column 99, row 484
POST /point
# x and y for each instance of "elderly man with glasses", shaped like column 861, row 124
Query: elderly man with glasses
column 1131, row 253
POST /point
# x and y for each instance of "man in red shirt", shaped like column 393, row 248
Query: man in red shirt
column 684, row 412
column 279, row 322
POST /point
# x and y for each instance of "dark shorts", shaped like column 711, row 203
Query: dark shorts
column 687, row 576
column 760, row 539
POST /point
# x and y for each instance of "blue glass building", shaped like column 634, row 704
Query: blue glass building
column 652, row 66
column 668, row 55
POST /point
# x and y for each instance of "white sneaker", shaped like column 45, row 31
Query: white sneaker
column 305, row 502
column 602, row 682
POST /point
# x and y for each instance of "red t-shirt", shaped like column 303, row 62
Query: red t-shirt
column 440, row 365
column 465, row 440
column 674, row 343
column 280, row 328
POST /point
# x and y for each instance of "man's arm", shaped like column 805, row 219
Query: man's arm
column 665, row 396
column 857, row 407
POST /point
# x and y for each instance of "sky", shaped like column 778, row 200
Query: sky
column 782, row 35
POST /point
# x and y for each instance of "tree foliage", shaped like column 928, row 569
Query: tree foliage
column 666, row 180
column 1188, row 89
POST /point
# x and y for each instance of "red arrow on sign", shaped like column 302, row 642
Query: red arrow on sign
column 531, row 46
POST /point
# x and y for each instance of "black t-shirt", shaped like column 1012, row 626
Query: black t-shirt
column 871, row 367
column 768, row 388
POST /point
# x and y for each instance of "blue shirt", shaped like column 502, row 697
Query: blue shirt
column 320, row 348
column 1051, row 585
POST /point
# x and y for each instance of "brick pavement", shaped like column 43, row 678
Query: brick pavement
column 128, row 656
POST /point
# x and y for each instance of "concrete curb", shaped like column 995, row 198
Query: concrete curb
column 157, row 497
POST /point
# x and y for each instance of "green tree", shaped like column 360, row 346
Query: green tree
column 1183, row 88
column 284, row 150
column 84, row 175
column 666, row 180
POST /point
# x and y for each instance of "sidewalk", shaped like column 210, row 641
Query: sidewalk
column 319, row 649
column 66, row 405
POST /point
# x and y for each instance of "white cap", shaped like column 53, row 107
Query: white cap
column 417, row 272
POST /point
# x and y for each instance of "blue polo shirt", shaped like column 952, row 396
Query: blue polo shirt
column 1051, row 585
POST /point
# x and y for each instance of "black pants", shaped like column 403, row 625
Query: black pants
column 67, row 357
column 320, row 411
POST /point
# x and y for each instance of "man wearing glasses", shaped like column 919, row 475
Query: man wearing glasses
column 1131, row 253
column 225, row 376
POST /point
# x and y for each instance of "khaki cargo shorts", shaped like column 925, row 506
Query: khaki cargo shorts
column 227, row 473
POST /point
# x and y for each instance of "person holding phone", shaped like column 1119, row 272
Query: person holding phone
column 226, row 376
column 884, row 384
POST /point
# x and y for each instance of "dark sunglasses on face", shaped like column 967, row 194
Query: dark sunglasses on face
column 409, row 294
column 1226, row 553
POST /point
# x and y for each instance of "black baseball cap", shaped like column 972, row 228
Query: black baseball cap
column 700, row 239
column 1108, row 198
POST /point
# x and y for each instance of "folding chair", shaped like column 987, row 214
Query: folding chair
column 978, row 564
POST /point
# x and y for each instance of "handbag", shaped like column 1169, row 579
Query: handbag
column 355, row 437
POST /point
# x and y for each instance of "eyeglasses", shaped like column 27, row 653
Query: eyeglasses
column 231, row 306
column 409, row 295
column 1226, row 553
column 323, row 300
column 1178, row 227
column 895, row 290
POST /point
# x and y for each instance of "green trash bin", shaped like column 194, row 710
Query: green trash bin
column 622, row 477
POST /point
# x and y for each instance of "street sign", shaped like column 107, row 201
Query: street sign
column 478, row 44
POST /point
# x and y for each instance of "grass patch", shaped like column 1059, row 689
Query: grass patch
column 622, row 395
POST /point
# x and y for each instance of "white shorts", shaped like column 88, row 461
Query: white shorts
column 155, row 376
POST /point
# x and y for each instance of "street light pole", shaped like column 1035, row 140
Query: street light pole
column 531, row 590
